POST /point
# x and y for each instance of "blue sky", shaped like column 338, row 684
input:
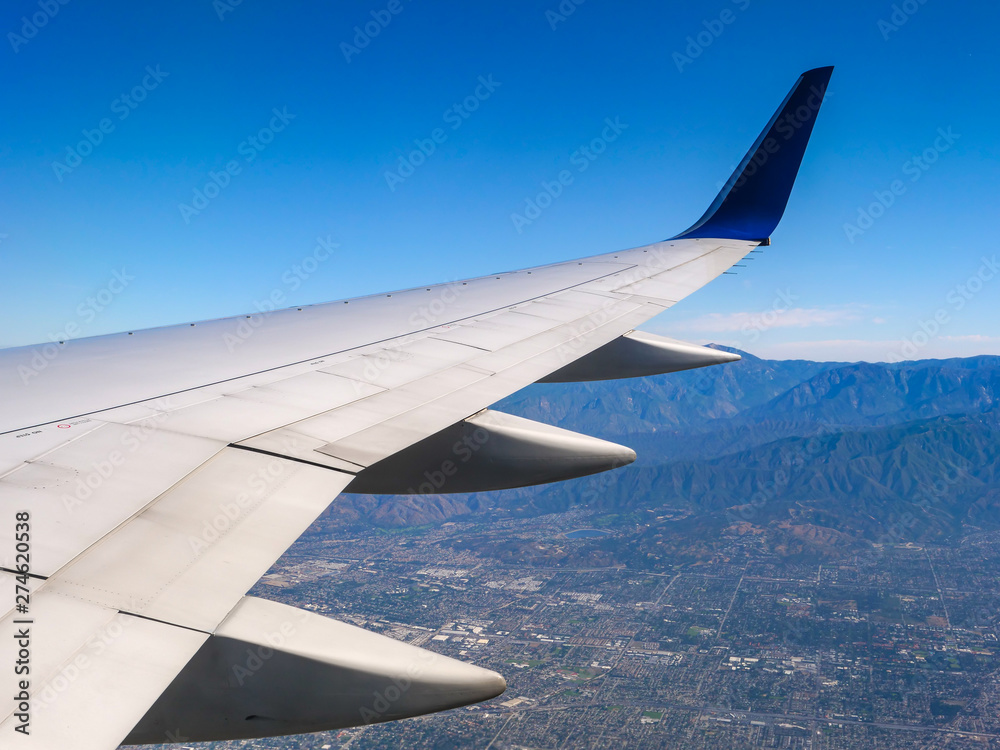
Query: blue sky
column 96, row 239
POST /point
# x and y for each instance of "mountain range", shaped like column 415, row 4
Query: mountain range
column 824, row 453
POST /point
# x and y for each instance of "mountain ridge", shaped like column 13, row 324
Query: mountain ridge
column 859, row 451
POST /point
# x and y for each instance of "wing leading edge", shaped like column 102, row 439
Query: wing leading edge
column 180, row 457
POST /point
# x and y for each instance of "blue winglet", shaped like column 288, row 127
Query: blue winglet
column 752, row 202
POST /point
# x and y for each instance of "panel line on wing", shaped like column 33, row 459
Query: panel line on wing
column 291, row 457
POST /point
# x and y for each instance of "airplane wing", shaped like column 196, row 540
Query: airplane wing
column 148, row 479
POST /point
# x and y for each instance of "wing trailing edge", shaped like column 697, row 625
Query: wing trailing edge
column 751, row 203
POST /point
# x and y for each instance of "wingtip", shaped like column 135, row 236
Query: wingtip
column 821, row 74
column 753, row 200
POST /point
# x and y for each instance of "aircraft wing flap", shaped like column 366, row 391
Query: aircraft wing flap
column 94, row 672
column 342, row 426
column 188, row 557
column 83, row 489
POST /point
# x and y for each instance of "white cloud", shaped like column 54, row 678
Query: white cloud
column 855, row 350
column 976, row 338
column 795, row 317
